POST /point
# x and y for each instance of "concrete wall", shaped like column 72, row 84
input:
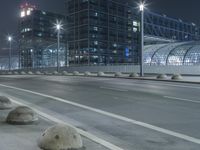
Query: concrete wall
column 185, row 70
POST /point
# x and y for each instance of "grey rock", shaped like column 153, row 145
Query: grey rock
column 176, row 77
column 22, row 115
column 118, row 74
column 134, row 75
column 60, row 137
column 162, row 76
column 100, row 73
column 5, row 103
column 87, row 73
column 75, row 73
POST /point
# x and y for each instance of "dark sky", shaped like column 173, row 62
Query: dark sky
column 187, row 10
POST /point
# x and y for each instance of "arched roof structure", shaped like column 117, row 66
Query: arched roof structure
column 182, row 53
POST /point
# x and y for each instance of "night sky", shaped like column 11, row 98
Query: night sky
column 187, row 10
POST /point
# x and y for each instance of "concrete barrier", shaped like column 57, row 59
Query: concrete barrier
column 47, row 73
column 176, row 77
column 55, row 73
column 100, row 73
column 30, row 73
column 23, row 73
column 10, row 73
column 60, row 137
column 22, row 115
column 38, row 73
column 5, row 103
column 16, row 73
column 134, row 75
column 76, row 73
column 64, row 73
column 118, row 74
column 162, row 76
column 87, row 73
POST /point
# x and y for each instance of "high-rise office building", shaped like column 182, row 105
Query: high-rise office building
column 37, row 37
column 107, row 31
column 101, row 32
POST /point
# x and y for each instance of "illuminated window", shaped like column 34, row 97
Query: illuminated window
column 28, row 12
column 22, row 14
column 134, row 29
column 135, row 23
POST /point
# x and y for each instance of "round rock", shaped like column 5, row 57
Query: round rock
column 15, row 73
column 134, row 75
column 75, row 73
column 55, row 73
column 87, row 73
column 100, row 73
column 60, row 137
column 38, row 73
column 65, row 73
column 177, row 77
column 9, row 73
column 5, row 103
column 118, row 74
column 162, row 76
column 23, row 73
column 30, row 73
column 22, row 115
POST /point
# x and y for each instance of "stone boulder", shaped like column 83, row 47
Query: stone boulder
column 76, row 73
column 118, row 74
column 60, row 137
column 22, row 115
column 134, row 75
column 162, row 76
column 5, row 103
column 100, row 73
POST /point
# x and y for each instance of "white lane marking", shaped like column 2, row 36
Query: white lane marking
column 114, row 89
column 82, row 132
column 155, row 83
column 135, row 122
column 181, row 99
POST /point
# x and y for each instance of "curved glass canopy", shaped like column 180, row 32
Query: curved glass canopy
column 50, row 55
column 182, row 53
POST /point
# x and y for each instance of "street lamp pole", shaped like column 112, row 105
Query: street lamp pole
column 10, row 42
column 141, row 38
column 58, row 28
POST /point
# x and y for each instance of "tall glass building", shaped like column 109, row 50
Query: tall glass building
column 36, row 34
column 101, row 32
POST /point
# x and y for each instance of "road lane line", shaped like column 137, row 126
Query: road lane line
column 88, row 135
column 135, row 122
column 156, row 83
column 181, row 99
column 114, row 89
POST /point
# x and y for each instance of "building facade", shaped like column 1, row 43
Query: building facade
column 36, row 34
column 102, row 32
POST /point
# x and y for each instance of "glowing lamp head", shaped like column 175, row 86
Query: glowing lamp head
column 142, row 6
column 9, row 38
column 58, row 26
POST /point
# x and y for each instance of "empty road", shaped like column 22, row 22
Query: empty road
column 131, row 114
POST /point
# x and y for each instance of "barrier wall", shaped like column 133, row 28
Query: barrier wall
column 184, row 70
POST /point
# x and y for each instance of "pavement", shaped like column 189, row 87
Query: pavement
column 25, row 137
column 130, row 114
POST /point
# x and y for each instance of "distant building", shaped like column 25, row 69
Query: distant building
column 102, row 32
column 36, row 34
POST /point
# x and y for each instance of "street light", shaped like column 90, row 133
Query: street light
column 141, row 8
column 10, row 41
column 58, row 27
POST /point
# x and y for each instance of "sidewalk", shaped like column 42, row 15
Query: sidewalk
column 24, row 137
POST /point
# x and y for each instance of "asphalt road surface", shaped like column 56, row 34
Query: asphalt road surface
column 131, row 114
